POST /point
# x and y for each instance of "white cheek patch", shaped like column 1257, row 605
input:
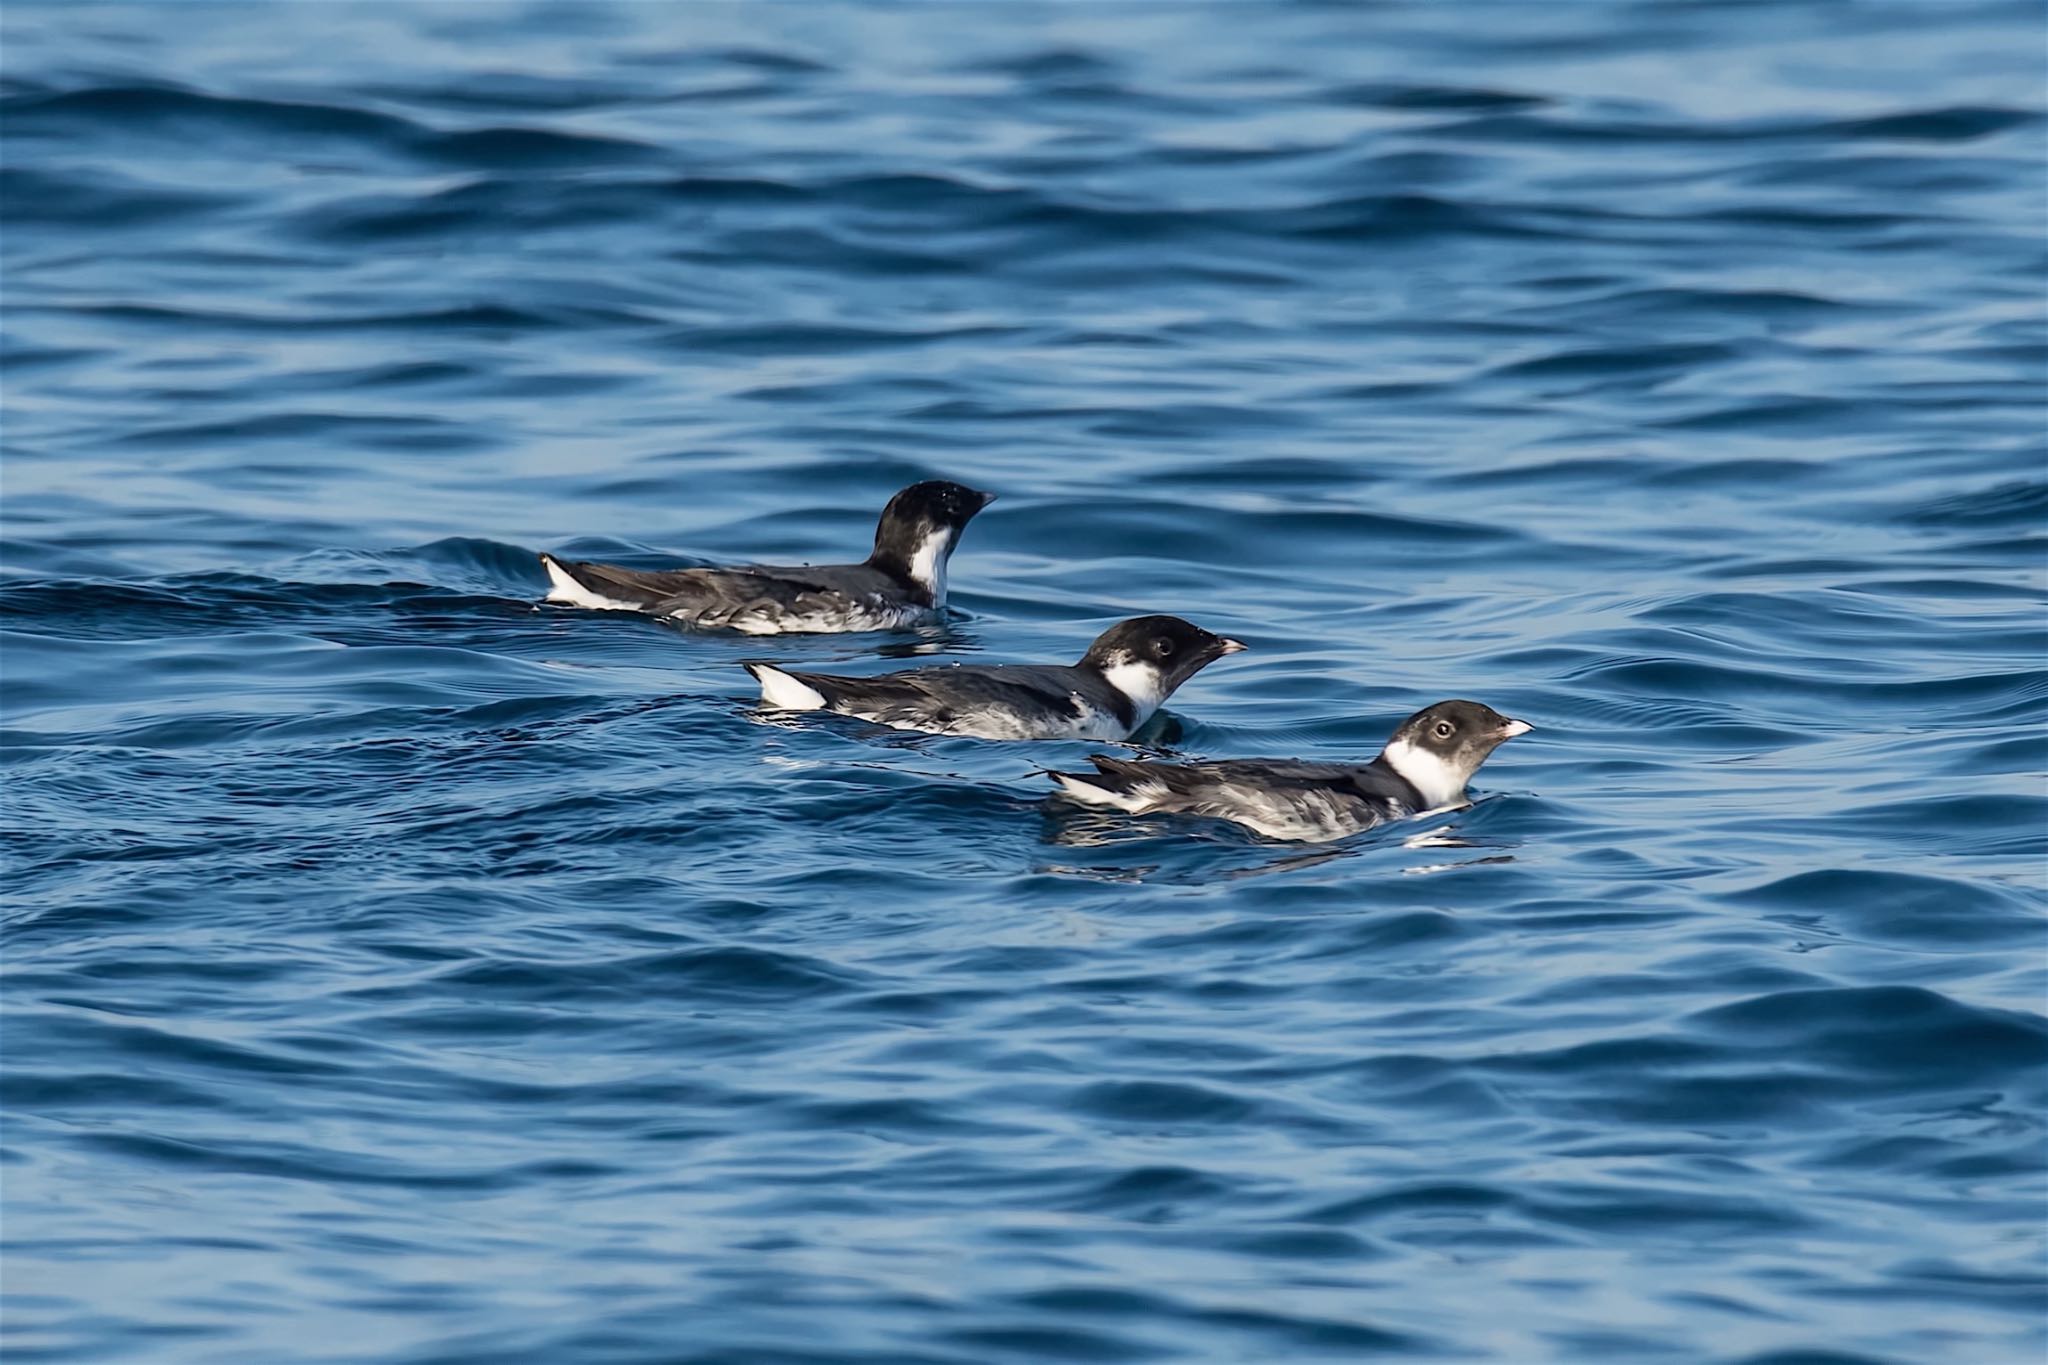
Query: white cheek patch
column 1438, row 783
column 928, row 565
column 1141, row 683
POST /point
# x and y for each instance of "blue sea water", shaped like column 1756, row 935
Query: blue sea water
column 398, row 971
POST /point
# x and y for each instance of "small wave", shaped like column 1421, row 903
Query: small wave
column 166, row 111
column 1904, row 907
column 1900, row 1031
column 98, row 198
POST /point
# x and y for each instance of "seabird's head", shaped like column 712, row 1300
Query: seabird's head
column 1439, row 748
column 1146, row 657
column 919, row 529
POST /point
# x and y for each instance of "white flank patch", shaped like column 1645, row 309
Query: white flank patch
column 569, row 592
column 1139, row 682
column 1437, row 781
column 928, row 565
column 783, row 692
column 1088, row 794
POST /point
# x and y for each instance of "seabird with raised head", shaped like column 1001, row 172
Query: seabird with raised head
column 1126, row 675
column 1423, row 768
column 900, row 586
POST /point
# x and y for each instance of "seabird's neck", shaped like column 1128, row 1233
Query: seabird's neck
column 1141, row 685
column 927, row 566
column 1435, row 781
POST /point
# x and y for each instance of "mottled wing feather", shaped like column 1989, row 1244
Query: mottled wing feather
column 715, row 596
column 1031, row 695
column 1037, row 687
column 712, row 596
column 1286, row 797
column 756, row 598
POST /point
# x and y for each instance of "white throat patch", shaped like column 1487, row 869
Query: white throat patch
column 1438, row 783
column 928, row 565
column 1141, row 683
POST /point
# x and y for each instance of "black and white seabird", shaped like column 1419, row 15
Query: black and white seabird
column 902, row 584
column 1424, row 767
column 1126, row 675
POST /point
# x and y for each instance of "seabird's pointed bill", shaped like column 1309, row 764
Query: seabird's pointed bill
column 1424, row 767
column 902, row 584
column 1126, row 675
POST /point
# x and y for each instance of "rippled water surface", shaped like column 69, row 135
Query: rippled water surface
column 398, row 971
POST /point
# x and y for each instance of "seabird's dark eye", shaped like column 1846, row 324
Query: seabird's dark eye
column 1162, row 647
column 1443, row 729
